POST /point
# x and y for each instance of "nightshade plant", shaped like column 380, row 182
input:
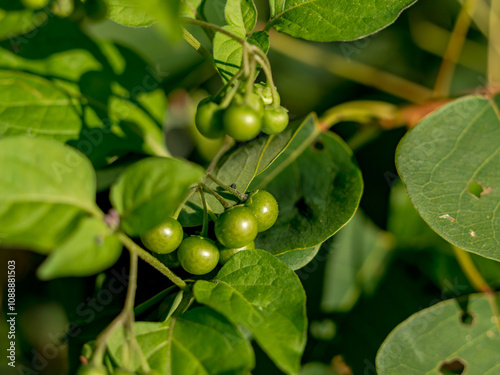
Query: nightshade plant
column 79, row 115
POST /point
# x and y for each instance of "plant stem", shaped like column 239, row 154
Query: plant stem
column 214, row 27
column 445, row 75
column 243, row 197
column 361, row 111
column 121, row 319
column 494, row 45
column 229, row 96
column 231, row 81
column 227, row 145
column 204, row 230
column 350, row 69
column 198, row 47
column 477, row 280
column 222, row 201
column 148, row 258
column 186, row 198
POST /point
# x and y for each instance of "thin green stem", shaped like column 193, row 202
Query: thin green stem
column 213, row 27
column 121, row 319
column 180, row 207
column 219, row 197
column 198, row 47
column 477, row 280
column 151, row 260
column 204, row 230
column 230, row 83
column 494, row 45
column 251, row 79
column 458, row 36
column 229, row 96
column 241, row 196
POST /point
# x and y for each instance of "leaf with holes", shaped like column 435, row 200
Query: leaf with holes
column 442, row 337
column 92, row 248
column 329, row 21
column 449, row 164
column 318, row 193
column 199, row 342
column 45, row 190
column 249, row 291
column 149, row 191
column 357, row 259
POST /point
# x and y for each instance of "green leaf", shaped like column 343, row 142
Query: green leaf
column 318, row 193
column 149, row 191
column 437, row 335
column 245, row 163
column 92, row 248
column 102, row 98
column 329, row 21
column 257, row 291
column 17, row 22
column 241, row 13
column 296, row 259
column 45, row 189
column 442, row 158
column 317, row 368
column 228, row 52
column 199, row 342
column 357, row 259
column 143, row 13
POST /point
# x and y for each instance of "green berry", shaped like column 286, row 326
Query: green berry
column 241, row 122
column 164, row 238
column 236, row 227
column 198, row 255
column 226, row 254
column 275, row 120
column 208, row 119
column 253, row 100
column 266, row 93
column 264, row 207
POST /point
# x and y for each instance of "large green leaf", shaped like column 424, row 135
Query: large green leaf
column 257, row 291
column 357, row 260
column 245, row 163
column 241, row 13
column 91, row 249
column 199, row 342
column 101, row 98
column 443, row 160
column 45, row 188
column 228, row 52
column 438, row 335
column 318, row 194
column 149, row 191
column 143, row 13
column 329, row 21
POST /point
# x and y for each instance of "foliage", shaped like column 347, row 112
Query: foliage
column 90, row 163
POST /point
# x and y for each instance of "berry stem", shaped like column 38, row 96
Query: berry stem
column 229, row 96
column 148, row 258
column 204, row 230
column 219, row 197
column 241, row 196
column 229, row 84
column 213, row 27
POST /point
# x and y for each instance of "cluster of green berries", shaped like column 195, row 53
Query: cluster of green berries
column 101, row 370
column 246, row 116
column 235, row 230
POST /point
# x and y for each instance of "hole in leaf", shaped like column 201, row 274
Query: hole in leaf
column 318, row 146
column 304, row 208
column 475, row 189
column 454, row 367
column 466, row 318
